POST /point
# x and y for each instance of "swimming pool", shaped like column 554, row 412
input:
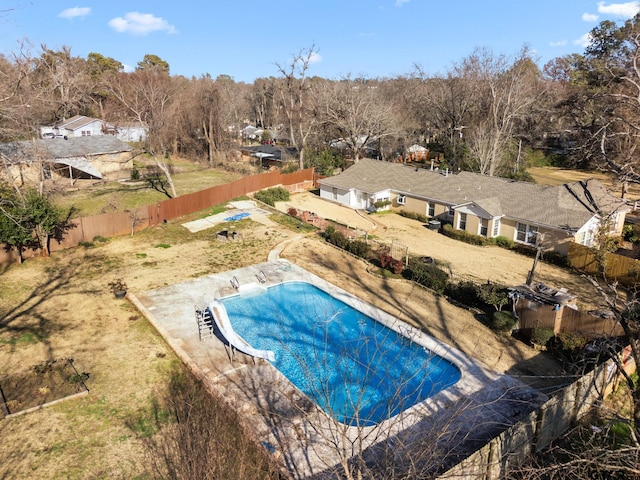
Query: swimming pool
column 357, row 370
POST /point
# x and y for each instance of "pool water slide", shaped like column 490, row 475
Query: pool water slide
column 219, row 314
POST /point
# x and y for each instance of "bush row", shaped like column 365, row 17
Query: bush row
column 489, row 297
column 415, row 216
column 272, row 195
column 355, row 247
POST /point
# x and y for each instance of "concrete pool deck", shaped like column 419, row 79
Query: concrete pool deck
column 460, row 419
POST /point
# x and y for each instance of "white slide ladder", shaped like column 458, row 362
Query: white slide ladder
column 219, row 314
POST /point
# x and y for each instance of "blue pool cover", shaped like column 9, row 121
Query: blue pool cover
column 237, row 216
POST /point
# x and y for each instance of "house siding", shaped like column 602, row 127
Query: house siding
column 421, row 206
column 113, row 165
column 93, row 128
column 345, row 197
column 415, row 205
column 473, row 224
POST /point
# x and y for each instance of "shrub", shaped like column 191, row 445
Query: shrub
column 504, row 242
column 491, row 294
column 272, row 195
column 414, row 216
column 464, row 292
column 541, row 336
column 630, row 233
column 335, row 237
column 427, row 274
column 503, row 321
column 570, row 341
column 464, row 236
column 293, row 212
column 359, row 248
column 380, row 204
column 396, row 266
column 523, row 249
column 384, row 256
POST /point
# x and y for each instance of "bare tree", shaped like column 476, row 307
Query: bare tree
column 264, row 99
column 296, row 100
column 147, row 95
column 198, row 436
column 505, row 95
column 358, row 116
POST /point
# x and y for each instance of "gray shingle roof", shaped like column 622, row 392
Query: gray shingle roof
column 567, row 206
column 59, row 148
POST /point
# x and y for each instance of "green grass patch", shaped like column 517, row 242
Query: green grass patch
column 118, row 196
column 162, row 245
column 24, row 339
column 292, row 223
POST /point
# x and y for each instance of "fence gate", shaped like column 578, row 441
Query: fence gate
column 398, row 251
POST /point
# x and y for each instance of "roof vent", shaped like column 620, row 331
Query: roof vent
column 479, row 187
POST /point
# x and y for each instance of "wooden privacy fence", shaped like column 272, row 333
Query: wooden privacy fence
column 536, row 315
column 539, row 428
column 85, row 229
column 624, row 269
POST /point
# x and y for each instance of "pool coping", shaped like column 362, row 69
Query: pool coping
column 302, row 436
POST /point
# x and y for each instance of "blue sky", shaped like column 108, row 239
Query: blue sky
column 245, row 39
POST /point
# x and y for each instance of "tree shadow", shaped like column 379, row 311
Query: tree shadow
column 29, row 319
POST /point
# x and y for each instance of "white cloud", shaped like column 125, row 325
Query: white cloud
column 140, row 24
column 590, row 17
column 559, row 43
column 75, row 12
column 626, row 10
column 584, row 41
column 315, row 58
column 399, row 3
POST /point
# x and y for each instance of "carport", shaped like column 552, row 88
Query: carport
column 76, row 167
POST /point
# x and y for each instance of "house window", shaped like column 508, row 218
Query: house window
column 484, row 226
column 451, row 212
column 402, row 199
column 462, row 221
column 496, row 227
column 86, row 133
column 526, row 233
column 431, row 209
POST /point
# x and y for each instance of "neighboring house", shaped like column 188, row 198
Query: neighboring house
column 83, row 126
column 417, row 153
column 131, row 132
column 77, row 126
column 483, row 205
column 74, row 158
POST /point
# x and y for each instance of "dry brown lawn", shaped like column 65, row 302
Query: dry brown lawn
column 61, row 307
